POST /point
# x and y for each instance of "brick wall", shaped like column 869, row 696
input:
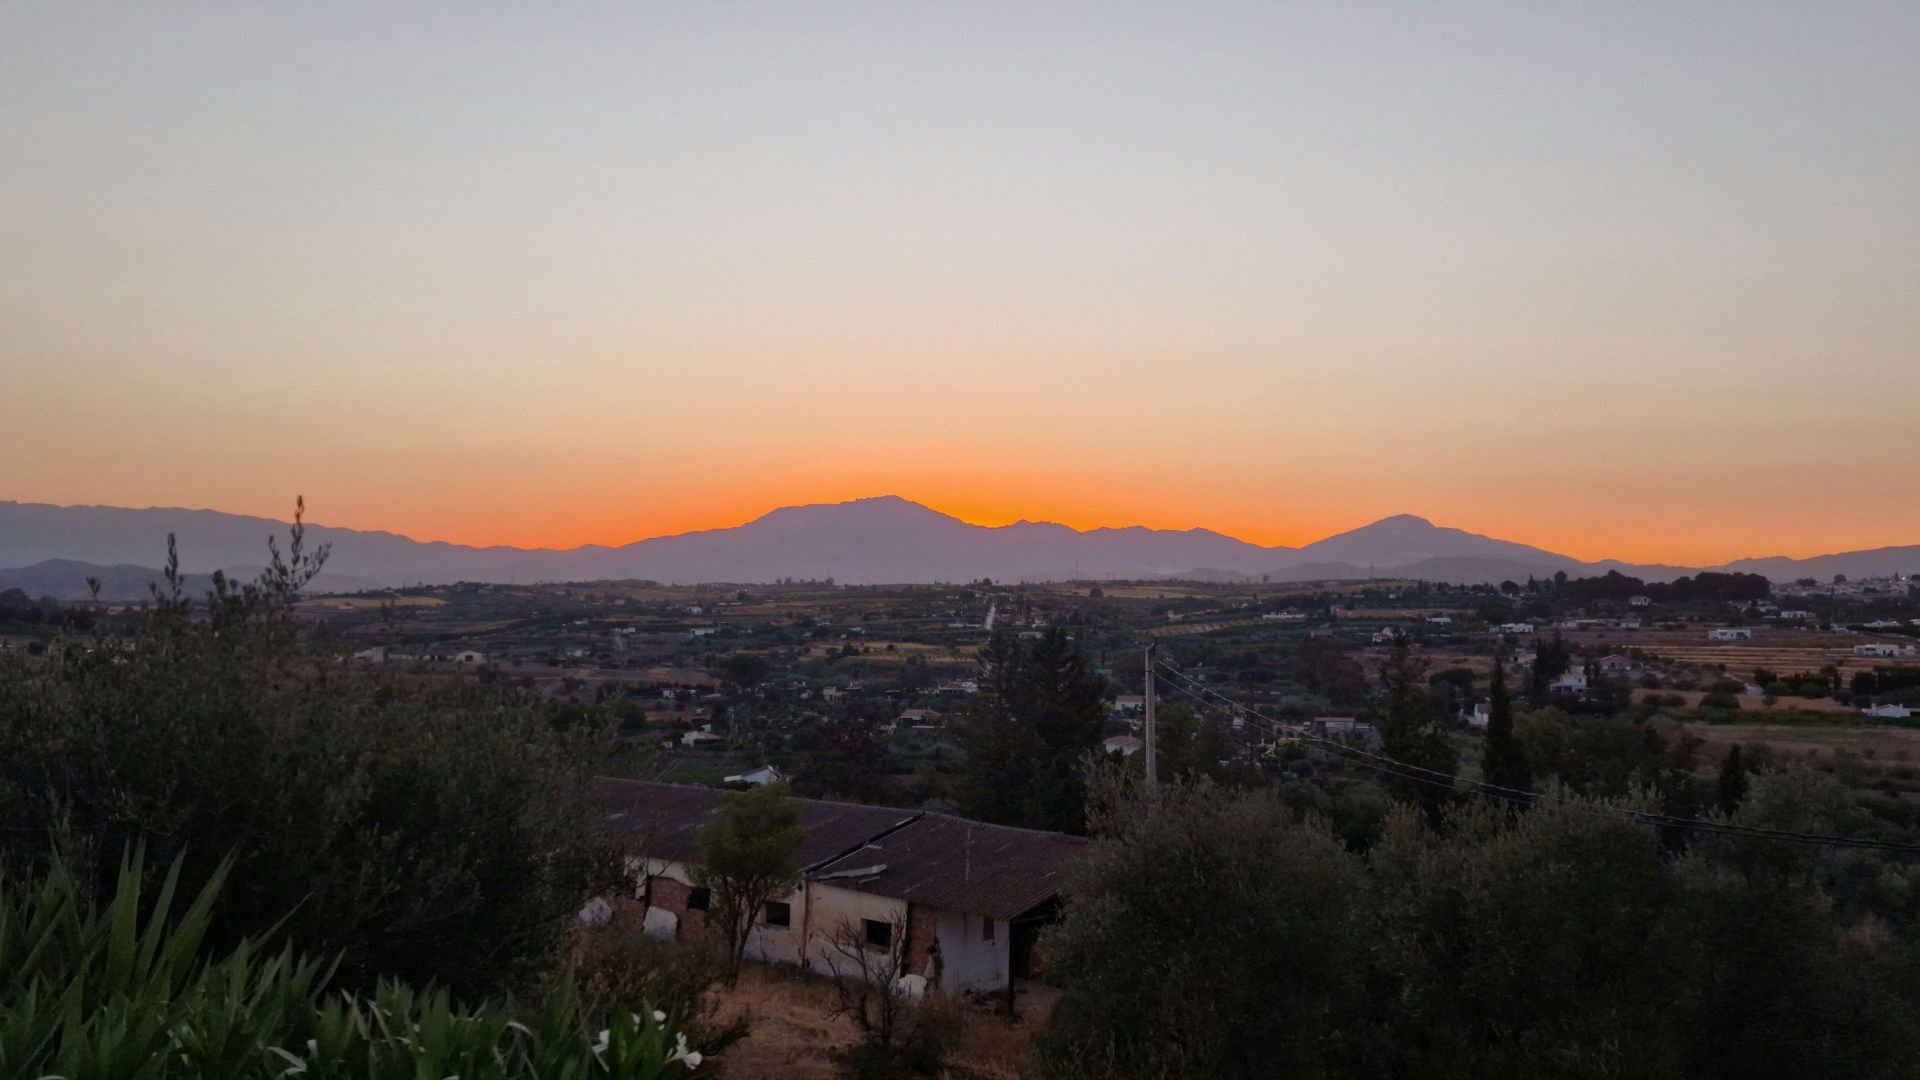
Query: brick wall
column 671, row 895
column 923, row 929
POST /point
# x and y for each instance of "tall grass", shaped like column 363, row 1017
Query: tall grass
column 122, row 992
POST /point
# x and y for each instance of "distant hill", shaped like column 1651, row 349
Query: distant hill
column 1405, row 540
column 1879, row 562
column 879, row 540
column 66, row 579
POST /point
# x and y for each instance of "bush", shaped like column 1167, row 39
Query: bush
column 614, row 965
column 1719, row 700
column 375, row 809
column 123, row 991
column 1212, row 934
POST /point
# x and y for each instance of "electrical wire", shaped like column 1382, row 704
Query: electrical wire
column 1206, row 695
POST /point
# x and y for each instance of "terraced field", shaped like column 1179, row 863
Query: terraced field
column 1777, row 650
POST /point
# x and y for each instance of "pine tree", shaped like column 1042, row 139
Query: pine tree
column 1038, row 716
column 1505, row 764
column 1409, row 733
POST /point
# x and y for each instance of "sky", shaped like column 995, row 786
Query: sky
column 1630, row 280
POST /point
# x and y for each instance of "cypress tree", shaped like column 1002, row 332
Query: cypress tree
column 1505, row 763
column 1733, row 780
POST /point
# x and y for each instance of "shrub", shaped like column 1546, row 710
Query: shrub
column 375, row 809
column 122, row 991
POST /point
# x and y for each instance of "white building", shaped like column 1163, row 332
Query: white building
column 917, row 718
column 1730, row 633
column 1516, row 628
column 1573, row 682
column 959, row 903
column 760, row 777
column 1883, row 650
column 1124, row 745
column 1889, row 712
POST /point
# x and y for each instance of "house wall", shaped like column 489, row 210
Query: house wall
column 667, row 886
column 830, row 908
column 969, row 962
column 820, row 911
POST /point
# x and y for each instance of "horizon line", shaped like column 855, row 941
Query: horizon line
column 894, row 496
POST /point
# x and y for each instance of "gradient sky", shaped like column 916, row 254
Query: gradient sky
column 1637, row 280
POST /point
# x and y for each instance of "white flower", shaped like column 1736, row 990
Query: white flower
column 692, row 1060
column 659, row 1017
column 604, row 1041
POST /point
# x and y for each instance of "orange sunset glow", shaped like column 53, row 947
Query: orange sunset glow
column 542, row 283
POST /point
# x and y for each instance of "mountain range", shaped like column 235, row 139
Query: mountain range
column 878, row 540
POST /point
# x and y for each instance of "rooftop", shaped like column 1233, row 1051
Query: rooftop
column 938, row 860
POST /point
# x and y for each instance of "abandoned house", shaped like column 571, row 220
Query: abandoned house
column 962, row 902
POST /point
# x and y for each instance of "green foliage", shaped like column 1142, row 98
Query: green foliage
column 748, row 857
column 1603, row 756
column 127, row 991
column 1192, row 745
column 745, row 669
column 1410, row 728
column 1037, row 719
column 1551, row 659
column 376, row 816
column 1207, row 934
column 1505, row 764
column 1732, row 784
column 1217, row 934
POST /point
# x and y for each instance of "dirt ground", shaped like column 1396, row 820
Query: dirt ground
column 791, row 1034
column 1758, row 702
column 1886, row 747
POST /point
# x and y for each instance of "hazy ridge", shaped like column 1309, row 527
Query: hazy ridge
column 878, row 540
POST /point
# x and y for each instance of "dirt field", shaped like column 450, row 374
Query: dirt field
column 1783, row 651
column 792, row 1035
column 878, row 649
column 1756, row 703
column 1207, row 626
column 367, row 603
column 1887, row 746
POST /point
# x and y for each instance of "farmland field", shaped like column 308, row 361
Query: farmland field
column 1777, row 650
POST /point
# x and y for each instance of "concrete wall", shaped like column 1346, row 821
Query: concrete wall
column 969, row 961
column 832, row 909
column 666, row 886
column 820, row 911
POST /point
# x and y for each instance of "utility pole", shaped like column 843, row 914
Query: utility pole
column 1153, row 771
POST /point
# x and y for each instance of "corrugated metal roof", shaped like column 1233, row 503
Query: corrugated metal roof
column 954, row 864
column 941, row 861
column 669, row 817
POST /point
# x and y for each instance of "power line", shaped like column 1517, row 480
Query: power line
column 1437, row 778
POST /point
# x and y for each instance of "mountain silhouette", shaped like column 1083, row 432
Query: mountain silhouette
column 887, row 539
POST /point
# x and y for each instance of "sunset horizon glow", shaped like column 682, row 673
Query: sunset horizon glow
column 615, row 536
column 1616, row 281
